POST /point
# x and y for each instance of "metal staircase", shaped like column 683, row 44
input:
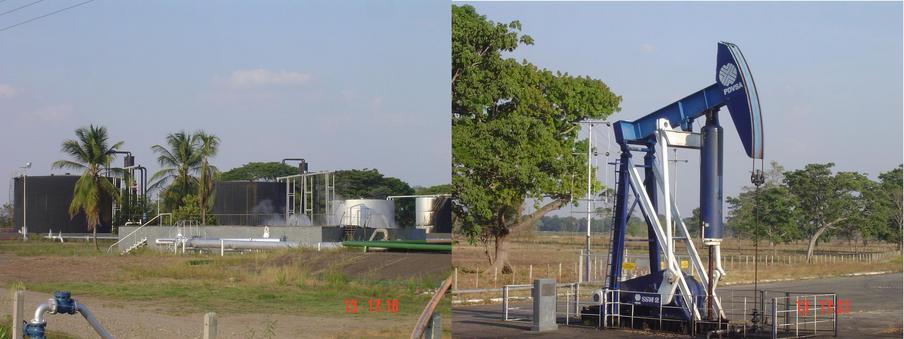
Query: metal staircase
column 141, row 243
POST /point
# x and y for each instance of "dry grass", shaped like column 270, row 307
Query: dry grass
column 540, row 255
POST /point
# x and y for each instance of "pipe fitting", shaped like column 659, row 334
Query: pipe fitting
column 34, row 331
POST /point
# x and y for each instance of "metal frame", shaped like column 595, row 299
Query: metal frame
column 308, row 181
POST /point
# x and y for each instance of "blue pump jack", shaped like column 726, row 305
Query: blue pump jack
column 672, row 126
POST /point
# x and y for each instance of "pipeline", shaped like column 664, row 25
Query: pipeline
column 399, row 245
column 61, row 303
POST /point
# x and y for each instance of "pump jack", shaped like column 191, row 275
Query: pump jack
column 672, row 126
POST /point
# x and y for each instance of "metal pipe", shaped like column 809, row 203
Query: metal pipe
column 39, row 312
column 239, row 244
column 101, row 331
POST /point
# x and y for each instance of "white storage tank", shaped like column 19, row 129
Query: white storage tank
column 424, row 209
column 372, row 213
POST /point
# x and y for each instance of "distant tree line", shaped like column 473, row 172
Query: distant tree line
column 812, row 204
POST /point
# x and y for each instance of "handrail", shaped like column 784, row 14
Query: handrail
column 140, row 227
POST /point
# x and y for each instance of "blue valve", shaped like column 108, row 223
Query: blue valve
column 34, row 331
column 64, row 302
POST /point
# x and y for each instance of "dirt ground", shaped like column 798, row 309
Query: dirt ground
column 151, row 320
column 157, row 319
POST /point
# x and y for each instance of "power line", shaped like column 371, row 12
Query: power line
column 20, row 7
column 45, row 15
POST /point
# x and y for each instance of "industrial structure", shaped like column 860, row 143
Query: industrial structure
column 42, row 204
column 668, row 292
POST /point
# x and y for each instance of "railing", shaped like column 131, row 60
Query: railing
column 778, row 314
column 158, row 218
column 796, row 317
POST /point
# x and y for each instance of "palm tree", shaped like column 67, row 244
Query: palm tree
column 207, row 148
column 179, row 164
column 89, row 153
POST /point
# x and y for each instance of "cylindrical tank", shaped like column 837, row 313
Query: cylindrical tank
column 249, row 203
column 373, row 213
column 711, row 179
column 434, row 211
column 48, row 199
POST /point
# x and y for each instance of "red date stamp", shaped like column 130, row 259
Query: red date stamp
column 372, row 306
column 825, row 306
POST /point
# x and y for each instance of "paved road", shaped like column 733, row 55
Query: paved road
column 875, row 311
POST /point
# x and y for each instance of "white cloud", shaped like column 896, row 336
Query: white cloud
column 245, row 78
column 8, row 91
column 648, row 48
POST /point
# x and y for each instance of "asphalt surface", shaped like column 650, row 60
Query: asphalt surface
column 875, row 311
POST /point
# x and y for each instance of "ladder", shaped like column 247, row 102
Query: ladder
column 141, row 243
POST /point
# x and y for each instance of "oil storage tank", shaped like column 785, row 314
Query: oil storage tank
column 249, row 203
column 434, row 212
column 372, row 213
column 46, row 202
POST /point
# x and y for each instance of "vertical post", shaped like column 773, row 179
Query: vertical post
column 787, row 307
column 560, row 272
column 18, row 314
column 835, row 314
column 589, row 195
column 505, row 308
column 434, row 327
column 477, row 280
column 530, row 272
column 581, row 266
column 210, row 325
column 222, row 248
column 455, row 280
column 774, row 315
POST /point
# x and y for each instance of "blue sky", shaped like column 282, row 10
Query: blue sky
column 350, row 84
column 829, row 74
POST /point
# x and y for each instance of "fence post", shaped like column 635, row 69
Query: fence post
column 505, row 308
column 18, row 314
column 455, row 280
column 495, row 272
column 774, row 316
column 210, row 325
column 560, row 272
column 477, row 281
column 530, row 272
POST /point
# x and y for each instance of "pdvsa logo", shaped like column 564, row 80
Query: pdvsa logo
column 728, row 76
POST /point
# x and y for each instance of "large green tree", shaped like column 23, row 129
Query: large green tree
column 773, row 216
column 884, row 212
column 258, row 171
column 90, row 152
column 371, row 184
column 827, row 202
column 514, row 131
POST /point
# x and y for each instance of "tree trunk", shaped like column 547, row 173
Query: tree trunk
column 95, row 238
column 812, row 244
column 500, row 262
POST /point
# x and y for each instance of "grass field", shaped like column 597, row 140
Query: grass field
column 555, row 255
column 278, row 282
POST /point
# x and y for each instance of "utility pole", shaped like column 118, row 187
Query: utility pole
column 587, row 268
column 25, row 200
